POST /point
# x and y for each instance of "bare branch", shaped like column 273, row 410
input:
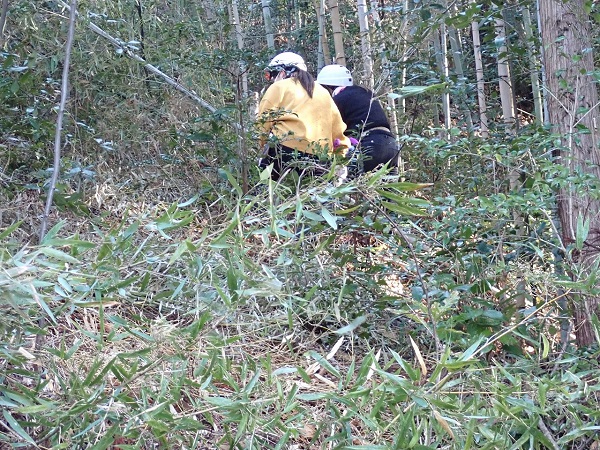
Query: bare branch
column 149, row 67
column 64, row 95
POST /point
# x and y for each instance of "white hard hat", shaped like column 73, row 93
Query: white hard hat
column 289, row 59
column 335, row 75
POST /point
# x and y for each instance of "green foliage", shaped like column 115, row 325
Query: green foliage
column 154, row 337
column 185, row 313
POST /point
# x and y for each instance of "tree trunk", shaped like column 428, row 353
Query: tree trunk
column 505, row 84
column 323, row 57
column 365, row 41
column 441, row 56
column 241, row 71
column 336, row 25
column 64, row 95
column 534, row 68
column 241, row 77
column 483, row 122
column 457, row 57
column 572, row 105
column 507, row 99
column 266, row 9
column 385, row 79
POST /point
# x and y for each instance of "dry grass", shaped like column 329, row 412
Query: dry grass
column 269, row 365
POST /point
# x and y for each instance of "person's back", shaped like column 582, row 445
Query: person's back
column 360, row 110
column 307, row 124
column 298, row 119
column 364, row 116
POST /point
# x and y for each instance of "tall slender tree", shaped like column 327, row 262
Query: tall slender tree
column 572, row 98
column 385, row 70
column 365, row 40
column 441, row 55
column 479, row 74
column 338, row 35
column 266, row 9
column 457, row 58
column 323, row 55
column 504, row 79
column 534, row 68
column 3, row 16
column 64, row 95
column 239, row 36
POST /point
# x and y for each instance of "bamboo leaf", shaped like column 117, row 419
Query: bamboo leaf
column 313, row 396
column 403, row 209
column 352, row 325
column 411, row 91
column 330, row 218
column 107, row 439
column 53, row 232
column 466, row 356
column 180, row 250
column 443, row 422
column 545, row 346
column 221, row 401
column 10, row 229
column 324, row 363
column 583, row 229
column 312, row 216
column 14, row 425
column 58, row 254
column 419, row 357
column 405, row 186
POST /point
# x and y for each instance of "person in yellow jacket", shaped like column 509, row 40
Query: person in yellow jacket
column 297, row 118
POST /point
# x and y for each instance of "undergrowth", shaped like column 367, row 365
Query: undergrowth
column 169, row 309
column 296, row 318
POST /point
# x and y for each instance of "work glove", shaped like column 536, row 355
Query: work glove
column 353, row 142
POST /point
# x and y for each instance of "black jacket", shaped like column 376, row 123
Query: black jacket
column 360, row 110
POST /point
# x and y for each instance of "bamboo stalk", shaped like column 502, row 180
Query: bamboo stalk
column 64, row 95
column 323, row 54
column 3, row 16
column 338, row 36
column 505, row 85
column 483, row 122
column 457, row 58
column 534, row 69
column 365, row 40
column 266, row 10
column 239, row 36
column 441, row 57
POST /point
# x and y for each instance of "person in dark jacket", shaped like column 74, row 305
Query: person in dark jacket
column 365, row 119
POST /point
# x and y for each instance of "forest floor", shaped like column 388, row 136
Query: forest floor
column 292, row 359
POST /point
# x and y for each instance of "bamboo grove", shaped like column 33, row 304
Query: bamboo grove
column 158, row 291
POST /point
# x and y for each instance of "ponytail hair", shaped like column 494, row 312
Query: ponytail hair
column 306, row 81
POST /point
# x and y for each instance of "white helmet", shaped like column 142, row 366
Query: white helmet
column 335, row 75
column 287, row 59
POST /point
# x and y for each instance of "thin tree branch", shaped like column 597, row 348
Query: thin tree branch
column 127, row 51
column 64, row 95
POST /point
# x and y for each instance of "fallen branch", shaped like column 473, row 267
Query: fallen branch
column 149, row 67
